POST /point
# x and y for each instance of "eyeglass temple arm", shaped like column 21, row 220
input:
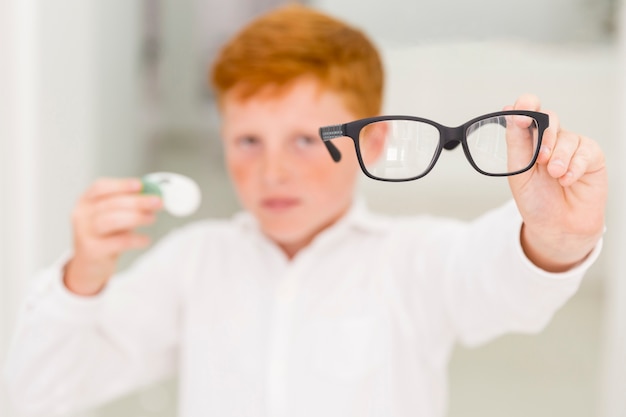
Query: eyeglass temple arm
column 331, row 132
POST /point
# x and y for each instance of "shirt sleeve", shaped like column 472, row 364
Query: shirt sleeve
column 70, row 352
column 491, row 287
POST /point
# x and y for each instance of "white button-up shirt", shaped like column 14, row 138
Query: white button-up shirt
column 360, row 323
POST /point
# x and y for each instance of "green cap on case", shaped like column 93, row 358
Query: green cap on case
column 150, row 188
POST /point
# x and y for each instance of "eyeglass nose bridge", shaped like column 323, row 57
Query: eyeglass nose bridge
column 451, row 137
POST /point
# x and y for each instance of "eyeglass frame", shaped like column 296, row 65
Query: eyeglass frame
column 449, row 138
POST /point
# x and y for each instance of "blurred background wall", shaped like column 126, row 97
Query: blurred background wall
column 614, row 358
column 118, row 88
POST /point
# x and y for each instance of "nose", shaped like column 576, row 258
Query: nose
column 275, row 168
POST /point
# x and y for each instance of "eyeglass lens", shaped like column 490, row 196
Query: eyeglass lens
column 402, row 149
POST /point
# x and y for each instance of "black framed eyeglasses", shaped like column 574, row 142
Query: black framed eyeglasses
column 405, row 148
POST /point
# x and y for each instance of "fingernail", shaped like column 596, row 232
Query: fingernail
column 545, row 150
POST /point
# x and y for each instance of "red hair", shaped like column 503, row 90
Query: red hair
column 294, row 41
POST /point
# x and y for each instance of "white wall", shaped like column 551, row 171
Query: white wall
column 17, row 162
column 412, row 21
column 614, row 370
column 69, row 101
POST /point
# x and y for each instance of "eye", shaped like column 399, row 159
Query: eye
column 306, row 141
column 248, row 142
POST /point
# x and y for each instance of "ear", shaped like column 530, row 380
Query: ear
column 372, row 141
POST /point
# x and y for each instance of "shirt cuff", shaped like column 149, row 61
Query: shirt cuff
column 51, row 295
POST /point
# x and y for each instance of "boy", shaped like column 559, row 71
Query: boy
column 305, row 304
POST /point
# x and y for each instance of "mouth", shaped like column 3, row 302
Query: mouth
column 278, row 204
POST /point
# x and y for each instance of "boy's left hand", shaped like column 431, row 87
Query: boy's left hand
column 562, row 198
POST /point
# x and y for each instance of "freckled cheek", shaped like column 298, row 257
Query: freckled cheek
column 330, row 178
column 242, row 175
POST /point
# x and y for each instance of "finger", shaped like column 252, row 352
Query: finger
column 549, row 139
column 564, row 150
column 108, row 186
column 527, row 102
column 521, row 142
column 140, row 202
column 121, row 242
column 587, row 158
column 120, row 221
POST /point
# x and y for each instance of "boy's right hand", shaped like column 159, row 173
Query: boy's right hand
column 104, row 222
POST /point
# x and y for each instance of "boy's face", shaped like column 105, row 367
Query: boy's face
column 281, row 169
